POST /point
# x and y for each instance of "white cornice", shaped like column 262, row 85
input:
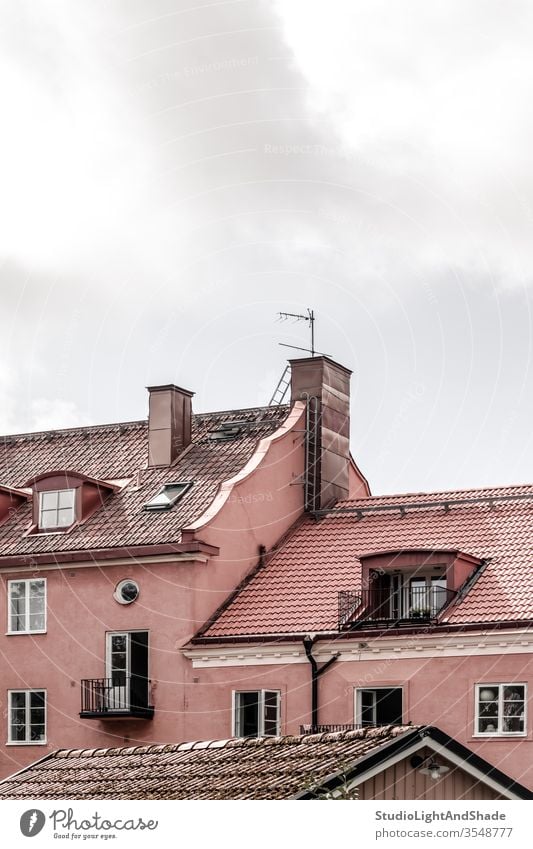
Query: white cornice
column 462, row 644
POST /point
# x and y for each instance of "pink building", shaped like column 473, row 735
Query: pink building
column 117, row 543
column 229, row 574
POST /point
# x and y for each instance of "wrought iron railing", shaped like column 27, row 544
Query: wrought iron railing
column 327, row 729
column 124, row 695
column 406, row 605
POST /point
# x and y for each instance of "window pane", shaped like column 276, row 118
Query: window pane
column 368, row 707
column 37, row 733
column 17, row 609
column 488, row 710
column 37, row 716
column 48, row 500
column 18, row 731
column 37, row 699
column 65, row 517
column 48, row 519
column 18, row 699
column 271, row 713
column 389, row 706
column 37, row 622
column 66, row 498
column 36, row 605
column 118, row 643
column 37, row 589
column 17, row 589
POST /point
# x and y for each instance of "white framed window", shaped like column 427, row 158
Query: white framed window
column 500, row 710
column 57, row 508
column 256, row 713
column 27, row 717
column 27, row 606
column 378, row 706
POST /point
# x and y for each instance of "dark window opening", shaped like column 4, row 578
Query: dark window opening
column 382, row 706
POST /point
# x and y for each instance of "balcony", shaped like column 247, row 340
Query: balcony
column 124, row 697
column 386, row 607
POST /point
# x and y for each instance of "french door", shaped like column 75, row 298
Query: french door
column 127, row 670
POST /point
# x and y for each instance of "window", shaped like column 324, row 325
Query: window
column 167, row 496
column 500, row 709
column 27, row 716
column 378, row 706
column 57, row 508
column 256, row 713
column 27, row 606
column 126, row 592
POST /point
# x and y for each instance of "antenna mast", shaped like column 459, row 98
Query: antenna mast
column 310, row 318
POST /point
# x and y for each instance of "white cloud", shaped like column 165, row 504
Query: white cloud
column 431, row 100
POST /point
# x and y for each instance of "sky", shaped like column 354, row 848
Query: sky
column 173, row 174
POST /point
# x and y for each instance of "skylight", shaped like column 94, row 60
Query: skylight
column 168, row 496
column 225, row 432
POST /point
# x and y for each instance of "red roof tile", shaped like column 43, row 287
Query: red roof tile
column 297, row 590
column 120, row 452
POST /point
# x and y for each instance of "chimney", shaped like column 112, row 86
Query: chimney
column 325, row 385
column 169, row 423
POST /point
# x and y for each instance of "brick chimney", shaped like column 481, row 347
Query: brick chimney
column 326, row 386
column 169, row 423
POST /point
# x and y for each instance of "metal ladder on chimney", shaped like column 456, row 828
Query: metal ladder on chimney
column 281, row 389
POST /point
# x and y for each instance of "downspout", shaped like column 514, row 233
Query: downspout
column 316, row 672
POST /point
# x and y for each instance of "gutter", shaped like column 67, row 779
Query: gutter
column 316, row 672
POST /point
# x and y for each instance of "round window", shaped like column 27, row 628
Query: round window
column 126, row 592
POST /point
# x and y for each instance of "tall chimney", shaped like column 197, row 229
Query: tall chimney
column 325, row 385
column 169, row 423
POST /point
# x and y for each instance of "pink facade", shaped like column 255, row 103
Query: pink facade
column 256, row 555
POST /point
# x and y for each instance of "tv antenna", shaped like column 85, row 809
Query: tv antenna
column 310, row 318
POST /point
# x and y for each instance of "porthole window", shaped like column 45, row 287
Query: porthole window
column 126, row 592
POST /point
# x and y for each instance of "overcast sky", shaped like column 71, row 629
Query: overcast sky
column 174, row 173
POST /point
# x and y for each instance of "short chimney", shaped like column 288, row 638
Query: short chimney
column 169, row 423
column 325, row 385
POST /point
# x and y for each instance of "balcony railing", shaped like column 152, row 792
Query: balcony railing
column 327, row 729
column 404, row 606
column 113, row 698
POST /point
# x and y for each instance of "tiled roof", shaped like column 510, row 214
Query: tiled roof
column 259, row 768
column 119, row 452
column 297, row 590
column 306, row 766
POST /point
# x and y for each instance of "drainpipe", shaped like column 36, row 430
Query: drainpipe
column 316, row 672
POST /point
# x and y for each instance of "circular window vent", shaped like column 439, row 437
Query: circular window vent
column 126, row 592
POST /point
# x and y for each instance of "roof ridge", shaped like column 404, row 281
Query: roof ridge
column 30, row 434
column 237, row 742
column 434, row 493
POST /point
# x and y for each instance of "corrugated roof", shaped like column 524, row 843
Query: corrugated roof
column 297, row 590
column 118, row 452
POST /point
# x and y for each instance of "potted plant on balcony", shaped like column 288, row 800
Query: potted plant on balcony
column 419, row 613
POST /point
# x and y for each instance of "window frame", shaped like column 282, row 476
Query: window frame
column 27, row 710
column 261, row 713
column 54, row 529
column 27, row 612
column 357, row 701
column 499, row 731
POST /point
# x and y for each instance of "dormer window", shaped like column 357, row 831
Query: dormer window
column 57, row 508
column 63, row 499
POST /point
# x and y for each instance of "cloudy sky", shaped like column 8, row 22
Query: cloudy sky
column 173, row 173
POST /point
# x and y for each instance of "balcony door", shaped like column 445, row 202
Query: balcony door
column 127, row 670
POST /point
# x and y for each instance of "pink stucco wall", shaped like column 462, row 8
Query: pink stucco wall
column 175, row 598
column 438, row 691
